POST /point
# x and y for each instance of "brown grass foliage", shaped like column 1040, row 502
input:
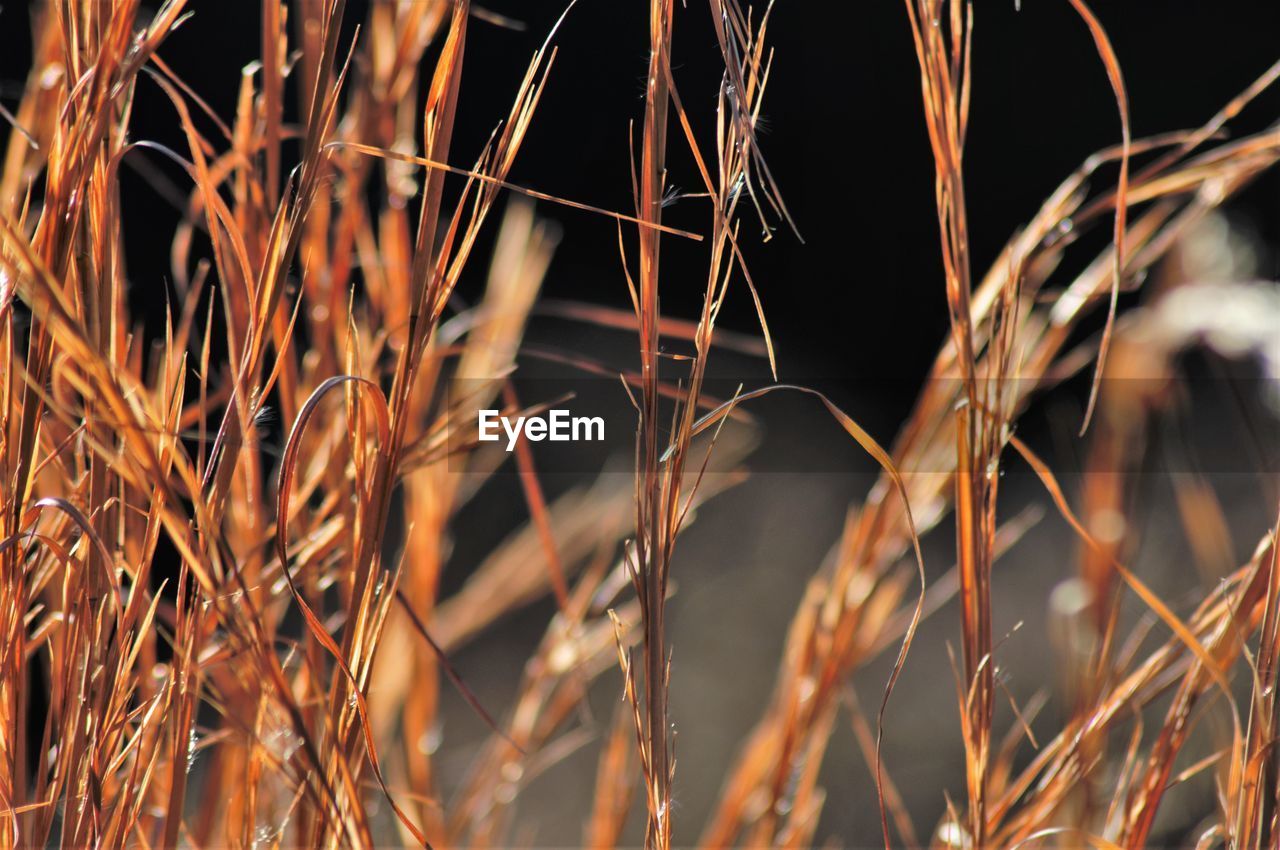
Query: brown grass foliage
column 298, row 647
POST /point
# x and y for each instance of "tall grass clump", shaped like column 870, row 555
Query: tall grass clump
column 209, row 641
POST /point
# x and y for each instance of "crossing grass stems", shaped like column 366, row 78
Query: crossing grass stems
column 277, row 678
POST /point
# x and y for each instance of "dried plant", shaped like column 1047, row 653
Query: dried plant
column 205, row 642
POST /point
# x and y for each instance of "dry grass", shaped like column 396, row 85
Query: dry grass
column 295, row 649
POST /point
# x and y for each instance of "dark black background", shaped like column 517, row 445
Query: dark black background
column 862, row 296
